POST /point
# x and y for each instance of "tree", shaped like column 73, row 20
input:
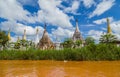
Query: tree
column 17, row 45
column 108, row 38
column 89, row 40
column 78, row 43
column 3, row 38
column 68, row 43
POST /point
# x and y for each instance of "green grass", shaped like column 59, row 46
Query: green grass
column 89, row 53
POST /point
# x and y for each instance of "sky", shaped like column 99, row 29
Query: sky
column 60, row 16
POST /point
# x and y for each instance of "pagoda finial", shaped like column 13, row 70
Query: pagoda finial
column 37, row 30
column 77, row 28
column 24, row 36
column 108, row 26
column 9, row 36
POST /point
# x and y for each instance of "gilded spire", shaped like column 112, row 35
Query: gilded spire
column 24, row 36
column 9, row 36
column 108, row 26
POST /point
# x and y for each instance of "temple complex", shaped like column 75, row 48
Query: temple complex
column 45, row 42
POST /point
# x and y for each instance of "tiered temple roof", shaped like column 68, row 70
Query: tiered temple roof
column 77, row 35
column 45, row 42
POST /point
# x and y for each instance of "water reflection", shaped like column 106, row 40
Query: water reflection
column 59, row 69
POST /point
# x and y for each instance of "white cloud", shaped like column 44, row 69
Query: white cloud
column 13, row 39
column 61, row 33
column 88, row 3
column 102, row 7
column 74, row 7
column 18, row 29
column 115, row 26
column 102, row 21
column 95, row 34
column 89, row 25
column 50, row 13
column 13, row 10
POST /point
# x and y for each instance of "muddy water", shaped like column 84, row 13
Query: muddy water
column 59, row 68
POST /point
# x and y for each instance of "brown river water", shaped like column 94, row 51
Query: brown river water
column 28, row 68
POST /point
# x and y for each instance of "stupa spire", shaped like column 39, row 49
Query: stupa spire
column 9, row 36
column 37, row 30
column 24, row 36
column 108, row 26
column 77, row 34
column 37, row 37
column 77, row 28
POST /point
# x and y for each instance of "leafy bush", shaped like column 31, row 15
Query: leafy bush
column 90, row 52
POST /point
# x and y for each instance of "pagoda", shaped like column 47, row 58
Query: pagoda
column 45, row 42
column 77, row 35
column 24, row 36
column 108, row 27
column 9, row 36
column 37, row 37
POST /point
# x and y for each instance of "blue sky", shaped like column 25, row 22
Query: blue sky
column 60, row 17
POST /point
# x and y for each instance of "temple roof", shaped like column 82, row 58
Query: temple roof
column 45, row 41
column 77, row 34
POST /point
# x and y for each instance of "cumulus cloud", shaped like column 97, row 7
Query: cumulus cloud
column 61, row 33
column 73, row 8
column 13, row 10
column 88, row 3
column 115, row 26
column 52, row 14
column 102, row 7
column 49, row 12
column 95, row 34
column 103, row 20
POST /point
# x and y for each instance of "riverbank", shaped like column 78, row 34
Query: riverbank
column 93, row 52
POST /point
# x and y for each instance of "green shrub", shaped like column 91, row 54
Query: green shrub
column 90, row 52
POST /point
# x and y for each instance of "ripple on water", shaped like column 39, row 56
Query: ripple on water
column 59, row 69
